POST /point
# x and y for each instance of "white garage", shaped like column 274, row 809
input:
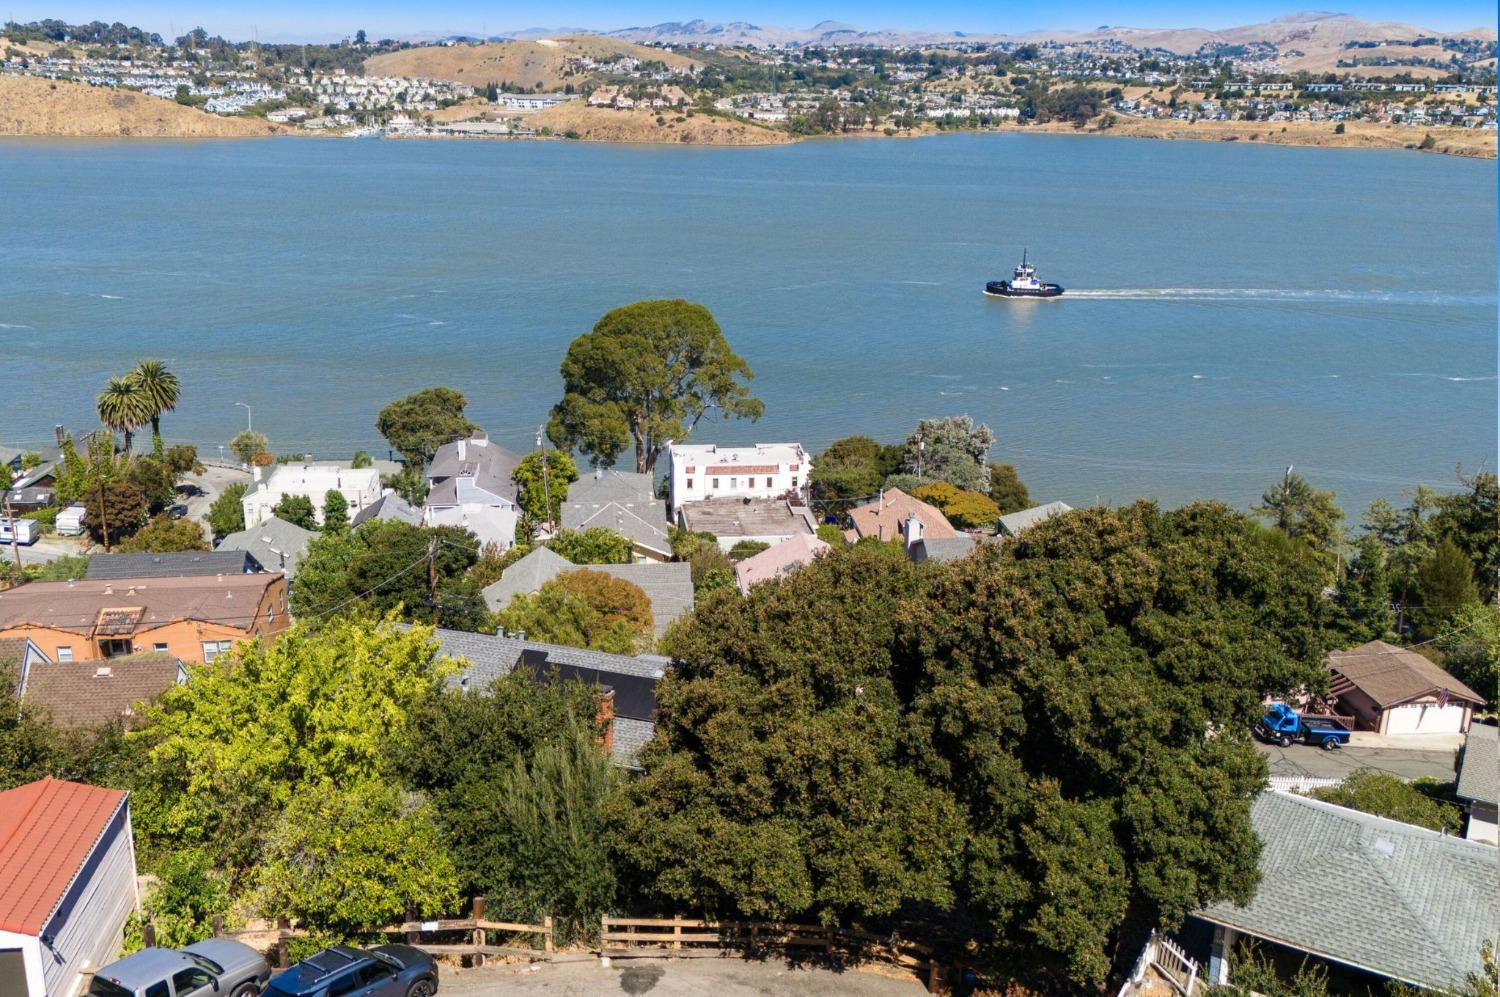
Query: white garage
column 1391, row 690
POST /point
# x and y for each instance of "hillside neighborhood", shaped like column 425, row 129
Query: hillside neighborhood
column 503, row 705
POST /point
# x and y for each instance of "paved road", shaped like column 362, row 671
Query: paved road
column 213, row 482
column 670, row 978
column 1408, row 763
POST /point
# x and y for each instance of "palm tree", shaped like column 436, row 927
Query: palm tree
column 160, row 388
column 123, row 407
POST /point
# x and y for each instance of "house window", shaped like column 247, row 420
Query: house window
column 689, row 484
column 734, row 482
column 113, row 647
column 158, row 647
column 768, row 482
column 716, row 483
column 213, row 648
column 794, row 482
column 64, row 652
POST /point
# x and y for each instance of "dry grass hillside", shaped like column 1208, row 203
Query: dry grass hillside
column 33, row 106
column 529, row 64
column 602, row 124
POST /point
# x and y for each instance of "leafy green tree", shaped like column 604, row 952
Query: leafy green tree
column 965, row 510
column 1007, row 490
column 747, row 548
column 297, row 510
column 1471, row 647
column 951, row 449
column 1445, row 584
column 851, row 468
column 460, row 748
column 113, row 511
column 595, row 545
column 1019, row 740
column 163, row 534
column 228, row 751
column 69, row 566
column 712, row 570
column 583, row 609
column 335, row 511
column 123, row 408
column 1469, row 519
column 227, row 513
column 188, row 894
column 830, row 534
column 247, row 443
column 361, row 459
column 356, row 856
column 409, row 483
column 157, row 484
column 382, row 567
column 646, row 374
column 1305, row 513
column 1387, row 796
column 415, row 426
column 533, row 490
column 1364, row 594
column 29, row 747
column 159, row 389
column 1250, row 974
column 182, row 460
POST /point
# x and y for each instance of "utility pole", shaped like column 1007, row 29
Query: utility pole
column 15, row 545
column 432, row 578
column 546, row 488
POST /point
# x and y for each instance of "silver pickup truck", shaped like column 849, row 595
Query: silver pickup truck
column 214, row 967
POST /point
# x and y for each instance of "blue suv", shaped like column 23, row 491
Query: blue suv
column 383, row 971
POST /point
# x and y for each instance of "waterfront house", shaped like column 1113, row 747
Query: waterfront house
column 360, row 486
column 1417, row 904
column 67, row 862
column 777, row 561
column 628, row 683
column 1014, row 522
column 1478, row 775
column 389, row 506
column 192, row 618
column 624, row 502
column 697, row 472
column 275, row 545
column 471, row 485
column 1391, row 690
column 889, row 516
column 96, row 693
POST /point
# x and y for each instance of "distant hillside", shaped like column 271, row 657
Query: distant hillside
column 537, row 63
column 30, row 105
column 602, row 124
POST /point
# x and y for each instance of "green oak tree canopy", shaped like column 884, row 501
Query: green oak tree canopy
column 646, row 375
column 418, row 424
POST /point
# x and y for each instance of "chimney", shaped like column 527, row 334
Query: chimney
column 606, row 720
column 912, row 530
column 462, row 449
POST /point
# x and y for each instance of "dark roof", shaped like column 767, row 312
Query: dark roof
column 941, row 548
column 1392, row 675
column 91, row 693
column 1369, row 892
column 177, row 564
column 669, row 586
column 275, row 544
column 1477, row 769
column 489, row 465
column 389, row 506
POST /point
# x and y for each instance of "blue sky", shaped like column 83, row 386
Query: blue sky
column 279, row 20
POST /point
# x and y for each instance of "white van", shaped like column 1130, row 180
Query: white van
column 24, row 531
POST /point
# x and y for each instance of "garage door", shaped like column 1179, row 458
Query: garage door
column 1425, row 719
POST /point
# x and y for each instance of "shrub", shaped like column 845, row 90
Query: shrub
column 747, row 548
column 227, row 514
column 164, row 534
column 1387, row 796
column 964, row 509
column 247, row 444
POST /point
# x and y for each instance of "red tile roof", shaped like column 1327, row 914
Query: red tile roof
column 48, row 829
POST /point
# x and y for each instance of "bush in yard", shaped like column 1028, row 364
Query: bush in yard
column 163, row 534
column 965, row 510
column 227, row 513
column 1387, row 796
column 247, row 444
column 297, row 510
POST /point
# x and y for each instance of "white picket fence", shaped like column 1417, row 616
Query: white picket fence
column 1302, row 783
column 1171, row 963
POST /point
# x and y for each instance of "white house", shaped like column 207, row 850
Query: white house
column 360, row 486
column 1392, row 690
column 764, row 471
column 471, row 484
column 67, row 884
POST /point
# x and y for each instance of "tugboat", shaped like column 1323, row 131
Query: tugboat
column 1023, row 285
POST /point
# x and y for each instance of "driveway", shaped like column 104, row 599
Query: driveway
column 726, row 977
column 48, row 548
column 1405, row 762
column 212, row 482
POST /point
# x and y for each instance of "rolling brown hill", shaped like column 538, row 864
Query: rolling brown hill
column 30, row 105
column 603, row 124
column 537, row 63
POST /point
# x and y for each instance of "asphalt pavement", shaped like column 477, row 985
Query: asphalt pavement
column 722, row 977
column 1406, row 762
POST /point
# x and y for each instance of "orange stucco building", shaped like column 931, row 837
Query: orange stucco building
column 191, row 618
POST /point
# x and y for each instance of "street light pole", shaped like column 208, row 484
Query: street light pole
column 249, row 426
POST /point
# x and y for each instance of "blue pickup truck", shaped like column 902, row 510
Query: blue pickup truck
column 1282, row 725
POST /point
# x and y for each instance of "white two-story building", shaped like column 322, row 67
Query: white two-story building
column 360, row 487
column 708, row 471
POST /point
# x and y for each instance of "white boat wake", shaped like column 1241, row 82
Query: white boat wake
column 1270, row 294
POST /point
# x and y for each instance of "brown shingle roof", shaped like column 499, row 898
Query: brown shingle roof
column 1392, row 675
column 91, row 693
column 75, row 606
column 882, row 518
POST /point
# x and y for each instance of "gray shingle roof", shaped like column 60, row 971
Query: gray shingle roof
column 1391, row 898
column 389, row 506
column 942, row 548
column 526, row 576
column 491, row 657
column 177, row 564
column 1477, row 769
column 276, row 544
column 1015, row 522
column 669, row 586
column 489, row 464
column 620, row 501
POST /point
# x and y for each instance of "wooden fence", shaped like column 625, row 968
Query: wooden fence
column 475, row 931
column 1171, row 964
column 680, row 937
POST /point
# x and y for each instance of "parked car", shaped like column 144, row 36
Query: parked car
column 1283, row 725
column 214, row 967
column 382, row 971
column 178, row 511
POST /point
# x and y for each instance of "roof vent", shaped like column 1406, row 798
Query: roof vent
column 103, row 672
column 1385, row 847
